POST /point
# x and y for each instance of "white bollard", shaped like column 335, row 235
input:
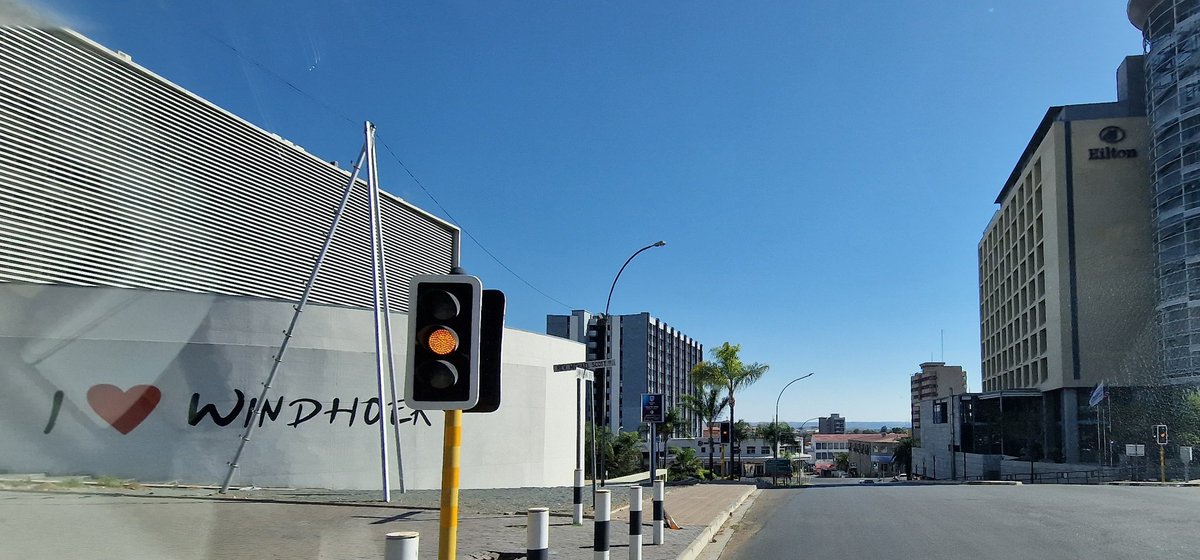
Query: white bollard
column 602, row 516
column 659, row 511
column 401, row 545
column 635, row 522
column 577, row 515
column 537, row 534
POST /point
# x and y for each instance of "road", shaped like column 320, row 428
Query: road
column 955, row 522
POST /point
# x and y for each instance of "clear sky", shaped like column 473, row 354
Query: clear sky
column 820, row 171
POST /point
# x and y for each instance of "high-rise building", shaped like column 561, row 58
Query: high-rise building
column 832, row 424
column 935, row 380
column 1171, row 29
column 651, row 357
column 1066, row 296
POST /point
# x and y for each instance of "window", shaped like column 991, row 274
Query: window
column 939, row 413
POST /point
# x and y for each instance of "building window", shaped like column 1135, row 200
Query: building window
column 939, row 413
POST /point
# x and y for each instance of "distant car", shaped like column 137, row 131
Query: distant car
column 867, row 481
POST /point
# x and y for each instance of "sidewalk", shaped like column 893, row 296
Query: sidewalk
column 154, row 523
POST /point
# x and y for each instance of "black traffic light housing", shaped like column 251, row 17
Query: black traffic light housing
column 443, row 342
column 491, row 334
column 1160, row 434
column 726, row 432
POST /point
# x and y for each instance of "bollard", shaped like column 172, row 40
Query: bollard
column 602, row 516
column 537, row 534
column 401, row 545
column 577, row 515
column 635, row 522
column 659, row 491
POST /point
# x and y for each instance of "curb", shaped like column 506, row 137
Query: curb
column 693, row 550
column 994, row 482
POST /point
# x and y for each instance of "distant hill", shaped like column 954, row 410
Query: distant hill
column 864, row 426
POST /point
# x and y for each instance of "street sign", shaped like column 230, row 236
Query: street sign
column 1135, row 450
column 777, row 467
column 1185, row 453
column 652, row 408
column 594, row 364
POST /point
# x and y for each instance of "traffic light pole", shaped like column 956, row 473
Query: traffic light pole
column 448, row 520
column 1162, row 463
column 299, row 308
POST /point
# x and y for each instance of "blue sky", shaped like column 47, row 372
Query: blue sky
column 821, row 171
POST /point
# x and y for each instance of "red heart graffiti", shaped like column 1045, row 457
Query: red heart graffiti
column 123, row 410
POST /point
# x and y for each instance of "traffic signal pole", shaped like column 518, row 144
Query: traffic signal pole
column 448, row 521
column 1162, row 463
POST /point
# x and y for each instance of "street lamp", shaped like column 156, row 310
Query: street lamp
column 604, row 378
column 776, row 453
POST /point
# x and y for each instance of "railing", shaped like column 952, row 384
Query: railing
column 1098, row 476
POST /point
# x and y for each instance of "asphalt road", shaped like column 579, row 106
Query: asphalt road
column 956, row 522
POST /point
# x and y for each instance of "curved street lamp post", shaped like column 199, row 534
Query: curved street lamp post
column 602, row 413
column 776, row 449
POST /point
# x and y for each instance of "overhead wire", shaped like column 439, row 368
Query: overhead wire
column 334, row 111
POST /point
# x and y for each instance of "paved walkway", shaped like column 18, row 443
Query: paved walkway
column 136, row 524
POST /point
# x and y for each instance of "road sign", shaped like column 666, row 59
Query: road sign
column 1185, row 453
column 777, row 467
column 652, row 408
column 1135, row 450
column 594, row 364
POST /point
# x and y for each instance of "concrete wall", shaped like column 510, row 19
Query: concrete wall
column 88, row 346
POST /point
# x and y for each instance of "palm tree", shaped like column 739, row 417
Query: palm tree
column 707, row 404
column 903, row 455
column 777, row 432
column 728, row 370
column 673, row 422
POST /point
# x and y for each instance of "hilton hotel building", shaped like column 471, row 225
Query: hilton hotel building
column 1066, row 274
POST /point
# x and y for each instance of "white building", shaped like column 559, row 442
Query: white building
column 152, row 247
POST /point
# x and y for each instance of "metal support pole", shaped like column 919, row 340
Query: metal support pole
column 659, row 511
column 402, row 545
column 635, row 522
column 376, row 300
column 448, row 520
column 299, row 308
column 653, row 452
column 595, row 437
column 537, row 534
column 601, row 525
column 377, row 231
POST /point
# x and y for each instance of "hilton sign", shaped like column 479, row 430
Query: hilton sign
column 1112, row 135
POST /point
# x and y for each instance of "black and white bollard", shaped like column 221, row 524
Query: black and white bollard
column 635, row 522
column 401, row 546
column 602, row 515
column 659, row 491
column 537, row 534
column 577, row 515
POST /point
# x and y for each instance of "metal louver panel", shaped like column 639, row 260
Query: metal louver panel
column 113, row 176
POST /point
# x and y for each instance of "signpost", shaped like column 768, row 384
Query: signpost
column 653, row 414
column 1185, row 455
column 582, row 375
column 593, row 365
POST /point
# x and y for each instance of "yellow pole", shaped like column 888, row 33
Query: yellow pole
column 448, row 533
column 1162, row 463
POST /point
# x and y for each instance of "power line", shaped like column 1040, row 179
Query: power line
column 334, row 111
column 448, row 215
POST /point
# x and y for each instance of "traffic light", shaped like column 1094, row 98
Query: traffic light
column 491, row 336
column 443, row 342
column 725, row 432
column 1160, row 434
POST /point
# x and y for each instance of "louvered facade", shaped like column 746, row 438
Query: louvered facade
column 112, row 176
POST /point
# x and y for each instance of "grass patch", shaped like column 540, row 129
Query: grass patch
column 70, row 483
column 110, row 482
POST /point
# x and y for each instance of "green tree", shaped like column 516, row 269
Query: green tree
column 903, row 455
column 687, row 464
column 841, row 462
column 604, row 443
column 673, row 424
column 626, row 456
column 728, row 370
column 743, row 430
column 707, row 404
column 777, row 432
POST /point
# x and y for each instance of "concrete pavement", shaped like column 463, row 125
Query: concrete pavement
column 142, row 523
